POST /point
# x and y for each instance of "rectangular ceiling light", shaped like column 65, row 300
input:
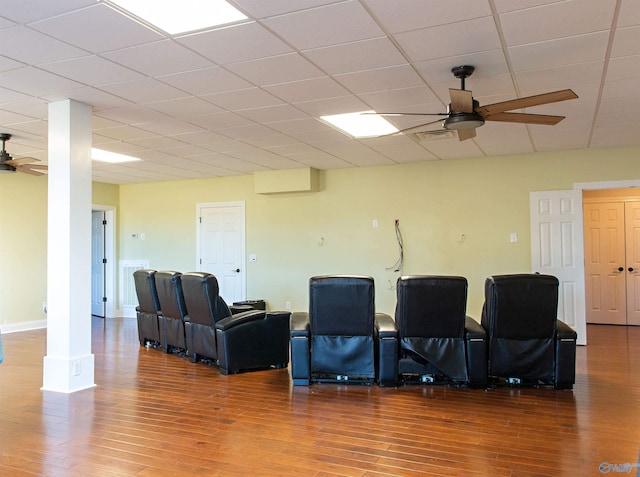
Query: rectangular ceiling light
column 113, row 157
column 182, row 16
column 360, row 124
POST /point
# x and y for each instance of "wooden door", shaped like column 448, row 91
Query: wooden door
column 604, row 239
column 632, row 266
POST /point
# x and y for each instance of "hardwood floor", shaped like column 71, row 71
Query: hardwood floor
column 157, row 415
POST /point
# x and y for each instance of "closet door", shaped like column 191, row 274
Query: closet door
column 632, row 269
column 605, row 264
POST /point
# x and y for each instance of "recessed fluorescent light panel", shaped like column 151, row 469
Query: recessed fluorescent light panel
column 113, row 157
column 361, row 125
column 182, row 16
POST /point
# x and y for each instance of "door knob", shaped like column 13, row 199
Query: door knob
column 621, row 269
column 237, row 270
column 631, row 269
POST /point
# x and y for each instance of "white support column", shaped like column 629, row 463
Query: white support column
column 69, row 365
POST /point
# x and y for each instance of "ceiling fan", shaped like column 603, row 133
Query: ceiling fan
column 24, row 164
column 465, row 114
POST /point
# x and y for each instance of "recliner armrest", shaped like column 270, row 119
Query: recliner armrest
column 386, row 345
column 473, row 329
column 240, row 318
column 385, row 326
column 299, row 324
column 564, row 331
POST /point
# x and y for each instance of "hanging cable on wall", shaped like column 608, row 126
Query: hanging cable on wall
column 399, row 265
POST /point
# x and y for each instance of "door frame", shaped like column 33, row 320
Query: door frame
column 110, row 255
column 603, row 185
column 241, row 204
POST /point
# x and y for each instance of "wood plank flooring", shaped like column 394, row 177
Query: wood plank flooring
column 153, row 414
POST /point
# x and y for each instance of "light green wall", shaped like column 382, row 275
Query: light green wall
column 105, row 194
column 23, row 243
column 484, row 199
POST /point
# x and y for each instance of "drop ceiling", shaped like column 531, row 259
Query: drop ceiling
column 247, row 97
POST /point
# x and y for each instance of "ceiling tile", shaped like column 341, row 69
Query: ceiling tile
column 243, row 42
column 337, row 105
column 275, row 69
column 417, row 14
column 514, row 139
column 382, row 79
column 356, row 56
column 629, row 14
column 36, row 82
column 414, row 99
column 91, row 70
column 32, row 47
column 159, row 58
column 308, row 90
column 486, row 63
column 185, row 107
column 272, row 114
column 27, row 11
column 626, row 42
column 565, row 51
column 470, row 37
column 93, row 29
column 452, row 148
column 243, row 99
column 262, row 9
column 206, row 81
column 145, row 90
column 550, row 20
column 324, row 26
column 560, row 77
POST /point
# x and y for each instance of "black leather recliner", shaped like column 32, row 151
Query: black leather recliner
column 338, row 340
column 173, row 310
column 148, row 307
column 437, row 341
column 246, row 341
column 527, row 343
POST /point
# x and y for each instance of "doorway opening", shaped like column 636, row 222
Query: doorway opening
column 612, row 255
column 103, row 276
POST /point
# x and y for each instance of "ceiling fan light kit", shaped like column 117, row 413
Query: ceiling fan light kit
column 465, row 114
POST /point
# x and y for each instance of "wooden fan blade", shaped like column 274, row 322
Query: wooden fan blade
column 461, row 100
column 418, row 127
column 464, row 134
column 22, row 160
column 409, row 114
column 527, row 102
column 33, row 170
column 525, row 118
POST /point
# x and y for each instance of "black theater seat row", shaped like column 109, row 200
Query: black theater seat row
column 519, row 340
column 184, row 312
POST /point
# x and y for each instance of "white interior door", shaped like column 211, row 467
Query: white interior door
column 98, row 292
column 557, row 248
column 606, row 287
column 221, row 246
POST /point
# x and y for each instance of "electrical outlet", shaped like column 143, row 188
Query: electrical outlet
column 513, row 237
column 287, row 305
column 76, row 367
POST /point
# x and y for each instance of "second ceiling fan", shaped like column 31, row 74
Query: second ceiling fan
column 465, row 114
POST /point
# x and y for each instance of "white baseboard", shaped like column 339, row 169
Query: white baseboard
column 24, row 326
